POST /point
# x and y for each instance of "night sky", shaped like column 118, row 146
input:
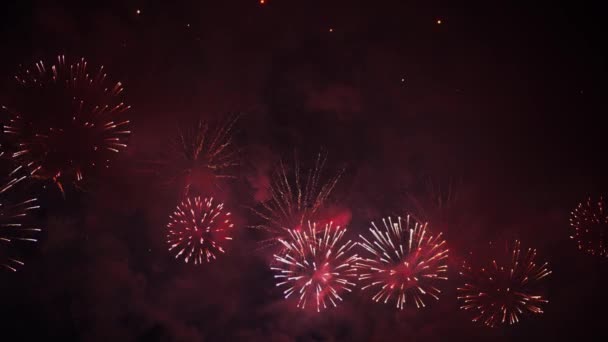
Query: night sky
column 502, row 101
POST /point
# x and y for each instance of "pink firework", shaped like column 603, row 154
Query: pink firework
column 316, row 266
column 406, row 263
column 197, row 229
column 65, row 120
column 502, row 292
column 589, row 221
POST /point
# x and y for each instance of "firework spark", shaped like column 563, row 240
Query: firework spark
column 15, row 226
column 296, row 198
column 66, row 121
column 406, row 265
column 590, row 223
column 198, row 150
column 316, row 266
column 501, row 293
column 197, row 229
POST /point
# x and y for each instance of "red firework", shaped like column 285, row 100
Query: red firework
column 66, row 121
column 197, row 229
column 406, row 263
column 590, row 223
column 316, row 266
column 501, row 292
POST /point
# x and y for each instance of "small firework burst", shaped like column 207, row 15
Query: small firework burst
column 502, row 292
column 590, row 223
column 316, row 266
column 296, row 198
column 16, row 226
column 406, row 265
column 198, row 229
column 66, row 121
column 198, row 150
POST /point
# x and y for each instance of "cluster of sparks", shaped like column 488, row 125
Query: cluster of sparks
column 15, row 227
column 407, row 263
column 501, row 293
column 590, row 223
column 197, row 229
column 198, row 150
column 316, row 267
column 66, row 120
column 296, row 198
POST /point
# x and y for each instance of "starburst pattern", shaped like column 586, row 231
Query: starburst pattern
column 66, row 121
column 316, row 266
column 502, row 292
column 406, row 265
column 198, row 229
column 589, row 221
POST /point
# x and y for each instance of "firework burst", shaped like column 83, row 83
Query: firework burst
column 197, row 229
column 316, row 266
column 406, row 263
column 66, row 121
column 501, row 292
column 197, row 151
column 590, row 223
column 296, row 198
column 15, row 216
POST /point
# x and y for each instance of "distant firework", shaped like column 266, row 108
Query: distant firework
column 198, row 229
column 406, row 263
column 316, row 267
column 296, row 198
column 65, row 120
column 16, row 228
column 590, row 223
column 502, row 292
column 198, row 149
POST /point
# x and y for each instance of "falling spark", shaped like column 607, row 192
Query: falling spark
column 197, row 230
column 589, row 221
column 296, row 198
column 406, row 263
column 501, row 293
column 66, row 121
column 316, row 267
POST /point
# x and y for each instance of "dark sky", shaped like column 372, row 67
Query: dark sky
column 505, row 98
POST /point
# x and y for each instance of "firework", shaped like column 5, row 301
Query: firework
column 296, row 198
column 590, row 223
column 316, row 266
column 406, row 263
column 15, row 216
column 65, row 120
column 197, row 229
column 198, row 150
column 502, row 292
column 435, row 203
